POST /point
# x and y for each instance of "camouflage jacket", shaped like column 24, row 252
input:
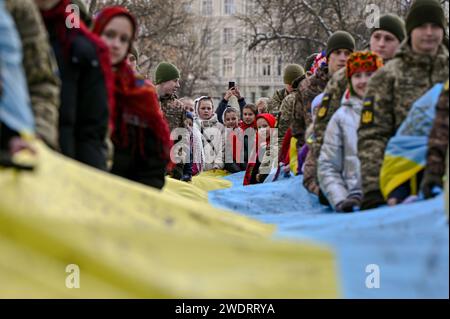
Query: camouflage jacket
column 313, row 86
column 173, row 111
column 40, row 68
column 389, row 95
column 333, row 95
column 274, row 104
column 310, row 88
column 309, row 174
column 287, row 116
column 438, row 140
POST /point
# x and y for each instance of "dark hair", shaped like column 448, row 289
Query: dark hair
column 230, row 109
column 251, row 107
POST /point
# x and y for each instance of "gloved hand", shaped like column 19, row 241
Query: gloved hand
column 372, row 200
column 430, row 182
column 350, row 204
column 177, row 172
column 338, row 207
column 186, row 178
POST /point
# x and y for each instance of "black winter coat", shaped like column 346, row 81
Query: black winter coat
column 83, row 120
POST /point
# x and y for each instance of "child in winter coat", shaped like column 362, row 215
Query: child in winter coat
column 212, row 133
column 233, row 137
column 188, row 162
column 339, row 167
column 248, row 127
column 231, row 118
column 264, row 156
column 249, row 113
column 197, row 156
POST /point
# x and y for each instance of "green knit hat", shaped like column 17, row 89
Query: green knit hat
column 340, row 40
column 291, row 72
column 166, row 72
column 393, row 24
column 425, row 11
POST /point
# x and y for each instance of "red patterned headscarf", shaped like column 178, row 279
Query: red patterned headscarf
column 132, row 100
column 107, row 14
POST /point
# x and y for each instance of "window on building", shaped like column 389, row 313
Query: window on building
column 266, row 67
column 207, row 7
column 227, row 36
column 206, row 37
column 229, row 6
column 209, row 70
column 280, row 66
column 227, row 68
column 255, row 66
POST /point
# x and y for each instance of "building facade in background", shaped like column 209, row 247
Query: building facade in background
column 257, row 73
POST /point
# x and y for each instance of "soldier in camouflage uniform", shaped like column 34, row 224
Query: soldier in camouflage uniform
column 287, row 110
column 167, row 82
column 339, row 46
column 274, row 104
column 292, row 103
column 390, row 32
column 437, row 148
column 302, row 119
column 418, row 65
column 291, row 72
column 40, row 68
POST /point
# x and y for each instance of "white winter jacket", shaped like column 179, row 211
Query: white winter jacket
column 213, row 142
column 339, row 167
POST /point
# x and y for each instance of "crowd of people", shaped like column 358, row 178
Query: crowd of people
column 365, row 127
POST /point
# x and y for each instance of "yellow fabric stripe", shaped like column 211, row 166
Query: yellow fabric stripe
column 134, row 242
column 293, row 156
column 396, row 171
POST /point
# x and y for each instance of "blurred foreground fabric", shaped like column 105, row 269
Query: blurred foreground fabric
column 130, row 241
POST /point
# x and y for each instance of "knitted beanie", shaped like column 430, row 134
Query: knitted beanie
column 425, row 11
column 393, row 24
column 291, row 72
column 340, row 40
column 166, row 72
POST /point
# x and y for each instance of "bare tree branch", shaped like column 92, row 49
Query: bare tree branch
column 319, row 18
column 264, row 37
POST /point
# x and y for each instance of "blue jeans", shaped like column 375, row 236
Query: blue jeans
column 15, row 104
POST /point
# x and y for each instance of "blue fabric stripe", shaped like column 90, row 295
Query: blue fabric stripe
column 409, row 243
